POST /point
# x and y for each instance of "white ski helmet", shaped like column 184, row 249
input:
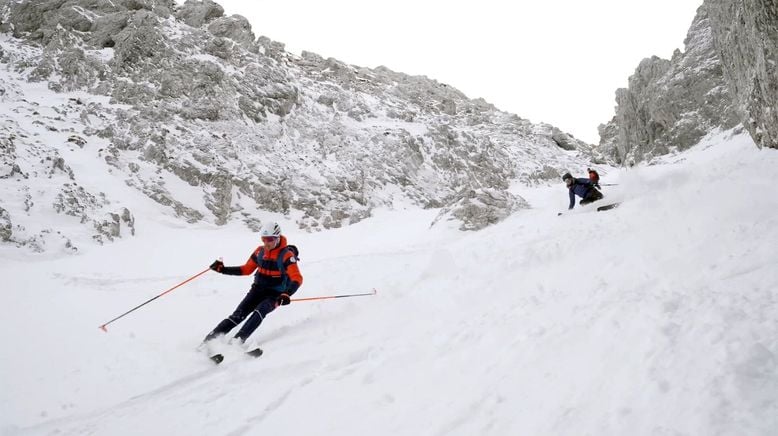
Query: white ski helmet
column 270, row 228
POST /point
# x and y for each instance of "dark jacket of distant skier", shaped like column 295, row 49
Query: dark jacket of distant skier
column 277, row 278
column 583, row 188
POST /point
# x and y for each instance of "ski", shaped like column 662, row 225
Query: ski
column 608, row 207
column 599, row 209
column 219, row 358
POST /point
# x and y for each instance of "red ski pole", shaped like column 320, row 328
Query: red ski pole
column 334, row 296
column 102, row 327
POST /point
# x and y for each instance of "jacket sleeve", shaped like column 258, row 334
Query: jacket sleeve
column 243, row 270
column 293, row 271
column 572, row 199
column 585, row 182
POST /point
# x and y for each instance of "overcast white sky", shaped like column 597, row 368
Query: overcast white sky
column 557, row 61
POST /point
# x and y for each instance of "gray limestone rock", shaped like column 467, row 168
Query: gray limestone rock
column 78, row 71
column 235, row 27
column 7, row 157
column 162, row 8
column 479, row 208
column 139, row 43
column 563, row 140
column 745, row 33
column 220, row 200
column 76, row 201
column 196, row 13
column 111, row 226
column 106, row 27
column 671, row 104
column 215, row 126
column 27, row 18
column 6, row 225
column 544, row 175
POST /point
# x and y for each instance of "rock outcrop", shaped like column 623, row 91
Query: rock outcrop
column 671, row 104
column 181, row 104
column 476, row 209
column 745, row 33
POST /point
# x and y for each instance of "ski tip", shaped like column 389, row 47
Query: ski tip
column 375, row 291
column 102, row 327
column 255, row 352
column 608, row 207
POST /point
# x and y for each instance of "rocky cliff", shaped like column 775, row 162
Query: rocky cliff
column 671, row 104
column 745, row 33
column 727, row 76
column 109, row 104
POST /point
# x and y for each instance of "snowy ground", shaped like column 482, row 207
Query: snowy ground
column 656, row 318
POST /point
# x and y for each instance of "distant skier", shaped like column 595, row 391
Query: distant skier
column 277, row 278
column 594, row 177
column 583, row 188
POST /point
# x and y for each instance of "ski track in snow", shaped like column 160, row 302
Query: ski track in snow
column 656, row 318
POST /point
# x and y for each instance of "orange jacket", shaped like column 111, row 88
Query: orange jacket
column 281, row 275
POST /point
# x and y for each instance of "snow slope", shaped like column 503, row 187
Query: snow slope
column 656, row 318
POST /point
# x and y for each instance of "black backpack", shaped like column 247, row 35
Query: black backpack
column 293, row 249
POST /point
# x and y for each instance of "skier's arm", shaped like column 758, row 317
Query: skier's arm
column 591, row 183
column 293, row 271
column 242, row 270
column 572, row 199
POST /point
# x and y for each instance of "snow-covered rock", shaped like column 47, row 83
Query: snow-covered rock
column 477, row 209
column 745, row 34
column 671, row 104
column 182, row 105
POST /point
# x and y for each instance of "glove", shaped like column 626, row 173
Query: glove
column 217, row 266
column 283, row 300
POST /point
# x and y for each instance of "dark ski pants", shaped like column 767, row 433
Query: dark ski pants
column 257, row 303
column 591, row 196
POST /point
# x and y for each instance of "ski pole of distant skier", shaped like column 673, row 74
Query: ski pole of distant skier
column 328, row 297
column 103, row 327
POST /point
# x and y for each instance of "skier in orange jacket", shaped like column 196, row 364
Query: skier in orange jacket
column 277, row 277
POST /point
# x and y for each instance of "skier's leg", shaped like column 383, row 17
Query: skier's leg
column 249, row 303
column 257, row 316
column 591, row 196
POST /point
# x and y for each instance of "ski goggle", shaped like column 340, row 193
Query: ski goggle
column 270, row 238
